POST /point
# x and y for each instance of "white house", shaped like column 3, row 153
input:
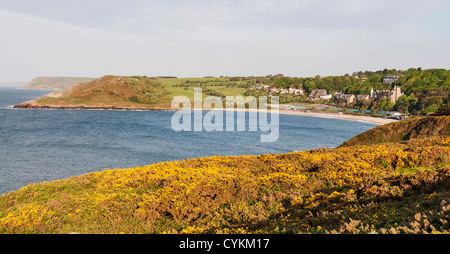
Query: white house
column 325, row 97
column 274, row 90
column 298, row 91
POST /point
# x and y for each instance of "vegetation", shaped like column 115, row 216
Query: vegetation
column 135, row 92
column 412, row 128
column 117, row 91
column 393, row 186
column 425, row 91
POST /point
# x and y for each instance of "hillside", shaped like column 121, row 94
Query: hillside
column 133, row 92
column 54, row 83
column 106, row 92
column 412, row 128
column 394, row 187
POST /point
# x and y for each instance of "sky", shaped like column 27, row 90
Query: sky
column 298, row 38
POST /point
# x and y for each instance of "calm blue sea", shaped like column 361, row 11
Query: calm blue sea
column 39, row 145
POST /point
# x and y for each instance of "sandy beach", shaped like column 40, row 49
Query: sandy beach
column 324, row 114
column 339, row 116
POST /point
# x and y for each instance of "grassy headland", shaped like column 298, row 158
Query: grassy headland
column 372, row 183
column 105, row 92
column 131, row 92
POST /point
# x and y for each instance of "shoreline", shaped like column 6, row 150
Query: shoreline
column 342, row 116
column 364, row 118
column 335, row 115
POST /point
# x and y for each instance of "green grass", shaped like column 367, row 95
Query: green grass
column 142, row 92
column 173, row 86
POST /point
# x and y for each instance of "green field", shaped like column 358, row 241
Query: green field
column 185, row 87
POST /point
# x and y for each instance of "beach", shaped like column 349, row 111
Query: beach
column 324, row 114
column 371, row 119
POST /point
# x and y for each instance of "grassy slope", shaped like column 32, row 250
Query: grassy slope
column 133, row 92
column 412, row 128
column 401, row 187
column 117, row 91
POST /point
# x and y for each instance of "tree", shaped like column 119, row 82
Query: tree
column 430, row 109
column 363, row 104
column 386, row 104
column 402, row 104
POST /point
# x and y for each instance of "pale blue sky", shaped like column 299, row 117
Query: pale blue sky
column 234, row 38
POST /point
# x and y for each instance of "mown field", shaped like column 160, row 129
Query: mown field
column 391, row 187
column 210, row 86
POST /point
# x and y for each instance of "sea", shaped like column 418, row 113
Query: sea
column 40, row 145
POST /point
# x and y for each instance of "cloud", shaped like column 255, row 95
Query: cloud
column 147, row 17
column 37, row 46
column 198, row 37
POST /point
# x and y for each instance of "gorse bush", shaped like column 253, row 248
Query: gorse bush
column 385, row 188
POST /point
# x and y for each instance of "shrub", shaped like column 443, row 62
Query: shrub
column 134, row 99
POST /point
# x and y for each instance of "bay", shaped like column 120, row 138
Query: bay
column 38, row 145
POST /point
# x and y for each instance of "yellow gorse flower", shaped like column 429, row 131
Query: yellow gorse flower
column 345, row 189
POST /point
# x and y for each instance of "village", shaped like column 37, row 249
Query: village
column 320, row 99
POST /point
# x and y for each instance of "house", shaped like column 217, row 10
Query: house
column 298, row 91
column 295, row 91
column 274, row 90
column 392, row 95
column 284, row 91
column 362, row 97
column 361, row 79
column 316, row 94
column 380, row 94
column 349, row 98
column 325, row 97
column 390, row 79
